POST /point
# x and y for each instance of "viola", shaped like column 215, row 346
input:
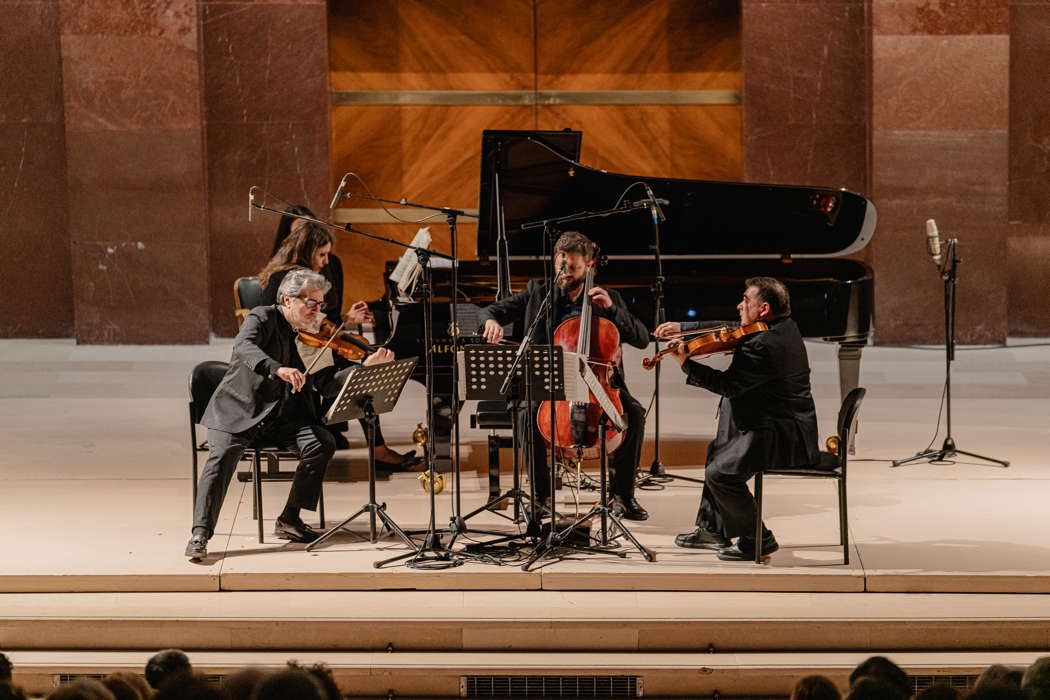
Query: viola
column 343, row 342
column 710, row 341
column 597, row 341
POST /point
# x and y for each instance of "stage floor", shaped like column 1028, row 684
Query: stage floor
column 96, row 487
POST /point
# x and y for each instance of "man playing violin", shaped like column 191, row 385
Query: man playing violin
column 766, row 419
column 574, row 254
column 265, row 396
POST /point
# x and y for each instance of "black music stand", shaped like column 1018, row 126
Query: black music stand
column 366, row 393
column 483, row 372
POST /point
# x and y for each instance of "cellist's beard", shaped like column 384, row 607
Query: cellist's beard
column 570, row 286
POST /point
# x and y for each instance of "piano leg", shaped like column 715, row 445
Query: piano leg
column 849, row 379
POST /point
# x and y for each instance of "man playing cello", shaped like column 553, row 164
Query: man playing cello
column 577, row 253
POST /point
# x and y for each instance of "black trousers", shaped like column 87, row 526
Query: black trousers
column 316, row 447
column 727, row 506
column 623, row 463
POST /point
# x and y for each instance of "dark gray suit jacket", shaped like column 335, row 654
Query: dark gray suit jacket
column 250, row 389
column 766, row 417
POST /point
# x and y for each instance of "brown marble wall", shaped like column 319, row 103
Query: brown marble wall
column 806, row 87
column 33, row 202
column 131, row 90
column 1029, row 169
column 940, row 150
column 266, row 124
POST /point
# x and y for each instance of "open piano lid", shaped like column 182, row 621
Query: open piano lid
column 541, row 178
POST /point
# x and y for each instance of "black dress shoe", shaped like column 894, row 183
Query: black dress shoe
column 629, row 508
column 744, row 549
column 295, row 532
column 406, row 463
column 197, row 547
column 702, row 539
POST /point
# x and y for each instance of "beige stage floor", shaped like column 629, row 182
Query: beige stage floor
column 96, row 487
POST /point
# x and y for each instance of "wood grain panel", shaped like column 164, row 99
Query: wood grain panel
column 638, row 45
column 695, row 142
column 432, row 45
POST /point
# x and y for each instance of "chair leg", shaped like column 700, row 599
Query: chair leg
column 758, row 518
column 843, row 522
column 320, row 506
column 257, row 493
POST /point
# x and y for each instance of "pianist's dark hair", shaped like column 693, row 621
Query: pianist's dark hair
column 284, row 226
column 576, row 242
column 774, row 293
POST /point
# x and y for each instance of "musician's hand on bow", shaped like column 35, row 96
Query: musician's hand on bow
column 380, row 356
column 358, row 313
column 600, row 298
column 668, row 329
column 492, row 332
column 293, row 376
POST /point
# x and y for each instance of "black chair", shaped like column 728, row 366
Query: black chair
column 204, row 379
column 832, row 466
column 247, row 294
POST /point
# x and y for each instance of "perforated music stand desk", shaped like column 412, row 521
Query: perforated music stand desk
column 366, row 393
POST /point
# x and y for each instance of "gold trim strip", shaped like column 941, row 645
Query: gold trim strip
column 525, row 98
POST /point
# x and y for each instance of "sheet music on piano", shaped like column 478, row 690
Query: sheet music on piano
column 406, row 272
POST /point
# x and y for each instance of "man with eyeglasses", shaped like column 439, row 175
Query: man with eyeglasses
column 261, row 398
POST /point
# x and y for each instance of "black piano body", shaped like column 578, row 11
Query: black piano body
column 713, row 237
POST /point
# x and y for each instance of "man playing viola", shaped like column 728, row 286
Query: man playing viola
column 263, row 397
column 766, row 419
column 577, row 253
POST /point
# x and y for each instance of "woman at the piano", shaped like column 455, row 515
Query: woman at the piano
column 302, row 243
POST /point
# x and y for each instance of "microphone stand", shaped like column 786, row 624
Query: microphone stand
column 658, row 474
column 948, row 449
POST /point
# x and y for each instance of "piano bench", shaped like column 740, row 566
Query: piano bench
column 492, row 415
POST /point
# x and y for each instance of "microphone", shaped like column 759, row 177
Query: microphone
column 251, row 201
column 654, row 206
column 338, row 192
column 933, row 242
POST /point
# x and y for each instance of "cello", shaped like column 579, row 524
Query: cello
column 597, row 341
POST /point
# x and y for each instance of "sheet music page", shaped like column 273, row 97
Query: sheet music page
column 407, row 270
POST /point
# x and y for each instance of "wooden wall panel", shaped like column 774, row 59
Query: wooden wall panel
column 638, row 45
column 431, row 153
column 431, row 45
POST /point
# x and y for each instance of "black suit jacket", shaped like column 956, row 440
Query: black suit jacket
column 766, row 417
column 250, row 388
column 521, row 308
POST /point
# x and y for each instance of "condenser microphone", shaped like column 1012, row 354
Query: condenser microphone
column 251, row 201
column 338, row 192
column 654, row 206
column 933, row 241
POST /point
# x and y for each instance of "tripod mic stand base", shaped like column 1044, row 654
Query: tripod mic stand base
column 945, row 454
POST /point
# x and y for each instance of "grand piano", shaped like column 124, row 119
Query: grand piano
column 714, row 236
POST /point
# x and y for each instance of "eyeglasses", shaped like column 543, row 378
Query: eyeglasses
column 314, row 304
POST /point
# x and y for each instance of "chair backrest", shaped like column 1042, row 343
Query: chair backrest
column 847, row 414
column 204, row 380
column 247, row 294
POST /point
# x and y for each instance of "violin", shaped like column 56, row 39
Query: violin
column 347, row 344
column 597, row 341
column 710, row 341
